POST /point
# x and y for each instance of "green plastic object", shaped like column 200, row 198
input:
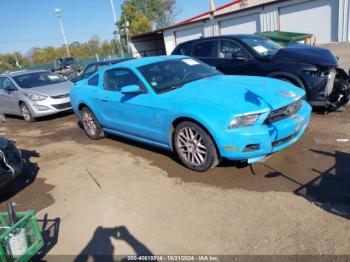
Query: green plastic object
column 23, row 240
column 285, row 38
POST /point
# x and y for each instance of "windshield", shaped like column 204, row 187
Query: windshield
column 38, row 79
column 263, row 47
column 167, row 75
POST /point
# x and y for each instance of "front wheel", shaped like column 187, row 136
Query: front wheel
column 27, row 115
column 195, row 147
column 91, row 125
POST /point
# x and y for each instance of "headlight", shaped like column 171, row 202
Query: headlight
column 241, row 121
column 314, row 73
column 319, row 72
column 35, row 97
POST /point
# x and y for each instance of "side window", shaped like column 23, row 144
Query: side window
column 115, row 79
column 7, row 84
column 89, row 71
column 184, row 49
column 229, row 49
column 1, row 78
column 204, row 49
column 93, row 81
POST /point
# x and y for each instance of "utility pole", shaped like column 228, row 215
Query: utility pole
column 116, row 31
column 212, row 15
column 126, row 28
column 58, row 12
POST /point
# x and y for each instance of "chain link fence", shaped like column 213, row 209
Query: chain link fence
column 82, row 61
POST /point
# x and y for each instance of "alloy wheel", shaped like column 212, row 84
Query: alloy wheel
column 191, row 146
column 89, row 123
column 26, row 113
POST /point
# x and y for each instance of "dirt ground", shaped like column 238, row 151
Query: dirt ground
column 119, row 197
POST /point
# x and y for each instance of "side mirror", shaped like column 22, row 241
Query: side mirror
column 131, row 89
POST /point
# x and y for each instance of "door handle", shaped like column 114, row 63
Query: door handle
column 104, row 100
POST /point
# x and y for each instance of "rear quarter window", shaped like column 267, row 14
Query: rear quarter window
column 204, row 49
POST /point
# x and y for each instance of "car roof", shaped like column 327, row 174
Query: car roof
column 114, row 61
column 111, row 61
column 22, row 72
column 238, row 36
column 147, row 60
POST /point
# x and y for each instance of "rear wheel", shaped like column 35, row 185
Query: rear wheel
column 27, row 115
column 91, row 125
column 195, row 147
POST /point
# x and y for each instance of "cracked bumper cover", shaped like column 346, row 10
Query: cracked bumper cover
column 270, row 138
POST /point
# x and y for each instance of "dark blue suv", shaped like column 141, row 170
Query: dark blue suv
column 313, row 69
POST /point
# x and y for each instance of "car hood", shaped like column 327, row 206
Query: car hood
column 306, row 54
column 241, row 94
column 53, row 89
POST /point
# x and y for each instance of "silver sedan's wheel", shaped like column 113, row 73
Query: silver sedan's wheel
column 195, row 147
column 192, row 146
column 91, row 126
column 27, row 115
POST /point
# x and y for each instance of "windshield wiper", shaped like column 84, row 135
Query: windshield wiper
column 182, row 84
column 171, row 88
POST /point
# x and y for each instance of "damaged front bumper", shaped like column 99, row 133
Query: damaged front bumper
column 329, row 88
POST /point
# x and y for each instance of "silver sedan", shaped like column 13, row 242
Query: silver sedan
column 33, row 94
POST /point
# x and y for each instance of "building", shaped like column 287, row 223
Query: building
column 327, row 20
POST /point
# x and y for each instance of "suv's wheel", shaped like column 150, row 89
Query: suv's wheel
column 91, row 125
column 27, row 115
column 195, row 147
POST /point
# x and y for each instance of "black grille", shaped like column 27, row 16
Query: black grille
column 60, row 96
column 62, row 106
column 283, row 113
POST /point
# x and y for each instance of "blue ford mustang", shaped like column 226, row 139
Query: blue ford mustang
column 181, row 104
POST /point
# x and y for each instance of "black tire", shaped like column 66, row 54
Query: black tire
column 26, row 114
column 285, row 80
column 191, row 150
column 341, row 89
column 92, row 127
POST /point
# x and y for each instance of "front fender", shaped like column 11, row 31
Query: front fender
column 290, row 76
column 212, row 118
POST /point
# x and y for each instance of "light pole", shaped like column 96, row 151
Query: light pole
column 212, row 16
column 116, row 31
column 58, row 12
column 126, row 28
